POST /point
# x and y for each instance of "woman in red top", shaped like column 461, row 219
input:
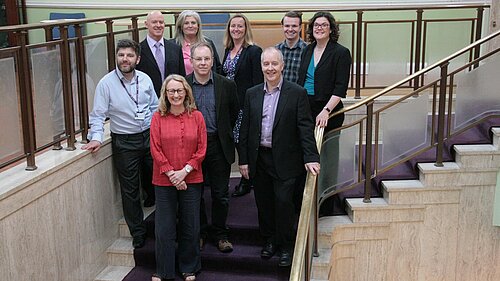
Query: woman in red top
column 178, row 146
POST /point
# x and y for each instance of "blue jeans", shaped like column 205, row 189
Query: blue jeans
column 177, row 218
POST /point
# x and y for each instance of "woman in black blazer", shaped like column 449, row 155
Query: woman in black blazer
column 241, row 63
column 324, row 70
column 187, row 33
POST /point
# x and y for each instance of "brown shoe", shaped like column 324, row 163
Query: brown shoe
column 225, row 246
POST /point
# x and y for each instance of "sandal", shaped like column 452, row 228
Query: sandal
column 156, row 277
column 189, row 276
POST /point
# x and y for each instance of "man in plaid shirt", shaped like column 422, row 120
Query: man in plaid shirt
column 293, row 45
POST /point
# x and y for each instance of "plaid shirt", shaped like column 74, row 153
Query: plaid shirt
column 291, row 56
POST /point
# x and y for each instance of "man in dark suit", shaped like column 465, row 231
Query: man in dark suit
column 276, row 143
column 159, row 57
column 216, row 97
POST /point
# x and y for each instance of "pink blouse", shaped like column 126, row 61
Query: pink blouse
column 177, row 140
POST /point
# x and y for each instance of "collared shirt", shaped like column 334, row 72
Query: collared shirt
column 271, row 98
column 152, row 42
column 118, row 102
column 291, row 56
column 204, row 96
column 177, row 140
column 186, row 55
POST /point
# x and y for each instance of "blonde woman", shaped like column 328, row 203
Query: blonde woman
column 241, row 63
column 178, row 147
column 187, row 33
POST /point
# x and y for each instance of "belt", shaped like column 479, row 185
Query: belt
column 265, row 148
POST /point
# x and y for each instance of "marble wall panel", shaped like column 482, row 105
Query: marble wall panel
column 438, row 242
column 478, row 253
column 369, row 261
column 63, row 232
column 403, row 251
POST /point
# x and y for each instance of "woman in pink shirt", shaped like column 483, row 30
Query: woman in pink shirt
column 178, row 146
column 187, row 33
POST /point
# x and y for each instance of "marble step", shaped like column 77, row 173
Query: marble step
column 121, row 253
column 321, row 264
column 326, row 226
column 113, row 273
column 122, row 225
column 477, row 156
column 452, row 175
column 406, row 192
column 379, row 211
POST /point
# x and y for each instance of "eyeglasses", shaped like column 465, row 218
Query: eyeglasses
column 173, row 91
column 322, row 26
column 201, row 59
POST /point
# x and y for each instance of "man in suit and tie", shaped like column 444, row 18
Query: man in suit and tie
column 276, row 144
column 217, row 99
column 159, row 57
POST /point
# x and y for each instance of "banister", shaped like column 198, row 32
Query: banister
column 415, row 75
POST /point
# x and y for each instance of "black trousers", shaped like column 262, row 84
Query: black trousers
column 133, row 163
column 216, row 172
column 275, row 202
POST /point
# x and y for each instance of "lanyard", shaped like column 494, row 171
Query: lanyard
column 136, row 100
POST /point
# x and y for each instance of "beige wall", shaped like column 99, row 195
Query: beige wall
column 57, row 222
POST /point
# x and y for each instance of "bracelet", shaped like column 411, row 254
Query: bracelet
column 327, row 109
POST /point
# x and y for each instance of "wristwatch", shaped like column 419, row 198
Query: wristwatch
column 188, row 169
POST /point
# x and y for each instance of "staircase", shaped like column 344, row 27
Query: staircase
column 243, row 264
column 438, row 227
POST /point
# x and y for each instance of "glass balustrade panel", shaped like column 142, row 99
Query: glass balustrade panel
column 10, row 126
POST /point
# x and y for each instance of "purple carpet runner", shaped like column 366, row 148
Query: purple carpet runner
column 243, row 264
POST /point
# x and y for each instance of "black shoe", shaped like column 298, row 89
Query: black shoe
column 139, row 241
column 285, row 259
column 241, row 189
column 149, row 202
column 268, row 250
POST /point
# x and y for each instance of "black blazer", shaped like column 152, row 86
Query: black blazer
column 293, row 142
column 331, row 77
column 248, row 70
column 174, row 62
column 226, row 106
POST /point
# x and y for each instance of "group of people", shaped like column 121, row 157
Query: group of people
column 177, row 114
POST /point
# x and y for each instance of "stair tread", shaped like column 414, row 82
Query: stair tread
column 477, row 149
column 113, row 273
column 146, row 210
column 328, row 223
column 323, row 258
column 121, row 245
column 356, row 203
column 402, row 185
column 430, row 168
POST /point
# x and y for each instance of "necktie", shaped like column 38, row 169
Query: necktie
column 160, row 60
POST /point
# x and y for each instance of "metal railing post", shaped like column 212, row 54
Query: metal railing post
column 441, row 114
column 135, row 30
column 110, row 40
column 359, row 30
column 418, row 46
column 81, row 73
column 368, row 152
column 479, row 29
column 67, row 89
column 26, row 98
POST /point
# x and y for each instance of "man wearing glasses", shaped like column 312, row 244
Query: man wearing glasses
column 217, row 99
column 292, row 46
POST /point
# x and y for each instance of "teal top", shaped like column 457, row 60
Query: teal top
column 309, row 83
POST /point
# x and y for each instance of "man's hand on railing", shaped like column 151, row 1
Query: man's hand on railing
column 312, row 167
column 93, row 146
column 244, row 171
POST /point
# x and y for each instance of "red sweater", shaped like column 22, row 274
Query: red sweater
column 175, row 142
